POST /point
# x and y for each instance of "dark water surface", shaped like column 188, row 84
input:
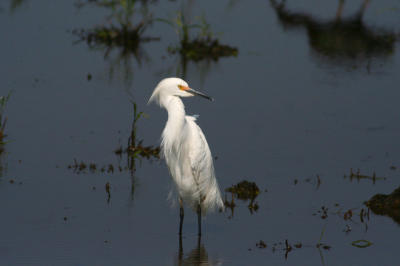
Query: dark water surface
column 313, row 93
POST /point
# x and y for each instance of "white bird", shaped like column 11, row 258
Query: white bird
column 186, row 151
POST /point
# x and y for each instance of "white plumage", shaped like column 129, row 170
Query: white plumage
column 186, row 151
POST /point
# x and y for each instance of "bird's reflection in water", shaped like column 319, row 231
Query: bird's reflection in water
column 339, row 41
column 197, row 256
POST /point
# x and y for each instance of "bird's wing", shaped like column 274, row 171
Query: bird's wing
column 202, row 167
column 199, row 153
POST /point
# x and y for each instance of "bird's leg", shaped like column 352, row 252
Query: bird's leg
column 181, row 214
column 199, row 218
column 198, row 243
column 180, row 253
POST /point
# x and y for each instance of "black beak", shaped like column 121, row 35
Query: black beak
column 200, row 94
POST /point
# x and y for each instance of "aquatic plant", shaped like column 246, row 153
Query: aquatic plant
column 123, row 32
column 3, row 119
column 204, row 46
column 244, row 191
column 287, row 247
column 108, row 188
column 14, row 4
column 83, row 167
column 317, row 181
column 357, row 216
column 135, row 149
column 3, row 122
column 342, row 41
column 387, row 205
column 357, row 175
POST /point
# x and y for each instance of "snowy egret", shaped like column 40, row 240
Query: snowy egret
column 186, row 151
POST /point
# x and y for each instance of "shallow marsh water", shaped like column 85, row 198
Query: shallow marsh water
column 294, row 113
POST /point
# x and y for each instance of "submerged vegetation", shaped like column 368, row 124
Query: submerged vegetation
column 358, row 176
column 204, row 46
column 341, row 40
column 387, row 205
column 350, row 216
column 135, row 147
column 244, row 191
column 134, row 150
column 288, row 247
column 15, row 4
column 126, row 36
column 3, row 122
column 123, row 31
column 83, row 168
column 3, row 119
column 317, row 181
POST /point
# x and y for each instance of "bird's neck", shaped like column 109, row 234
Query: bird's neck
column 176, row 119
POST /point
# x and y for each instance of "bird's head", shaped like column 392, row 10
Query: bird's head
column 174, row 87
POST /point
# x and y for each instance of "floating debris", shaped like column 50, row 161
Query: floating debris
column 288, row 247
column 388, row 205
column 323, row 246
column 298, row 245
column 347, row 229
column 348, row 215
column 317, row 181
column 119, row 151
column 323, row 212
column 92, row 167
column 261, row 244
column 110, row 168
